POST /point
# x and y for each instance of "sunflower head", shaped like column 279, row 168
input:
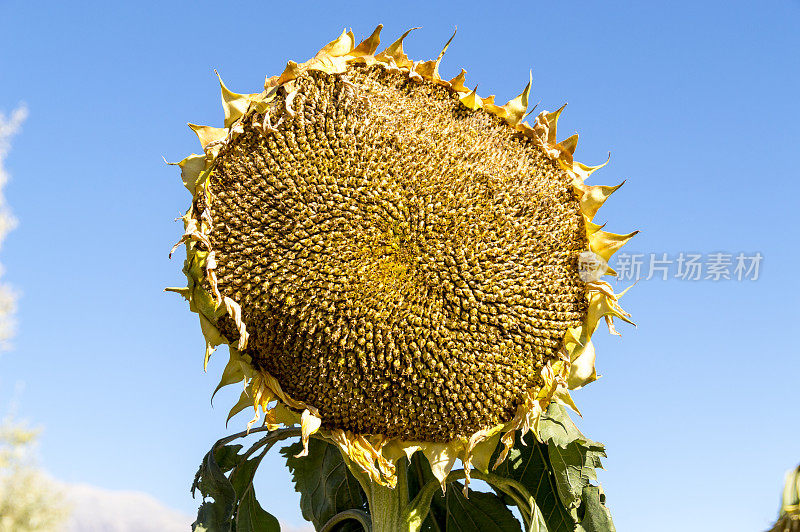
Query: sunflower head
column 396, row 263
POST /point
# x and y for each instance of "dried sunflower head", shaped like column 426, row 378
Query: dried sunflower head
column 396, row 263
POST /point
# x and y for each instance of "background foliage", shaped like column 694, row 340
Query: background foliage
column 29, row 501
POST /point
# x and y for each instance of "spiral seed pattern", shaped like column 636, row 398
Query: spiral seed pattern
column 403, row 264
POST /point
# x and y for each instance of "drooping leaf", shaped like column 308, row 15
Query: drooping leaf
column 205, row 518
column 242, row 476
column 596, row 517
column 482, row 511
column 529, row 464
column 251, row 517
column 574, row 457
column 574, row 468
column 229, row 502
column 325, row 484
column 227, row 457
column 212, row 483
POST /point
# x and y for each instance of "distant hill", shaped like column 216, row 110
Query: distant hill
column 99, row 510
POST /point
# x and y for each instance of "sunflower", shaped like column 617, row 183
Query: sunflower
column 396, row 263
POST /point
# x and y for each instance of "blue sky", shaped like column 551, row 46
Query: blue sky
column 696, row 101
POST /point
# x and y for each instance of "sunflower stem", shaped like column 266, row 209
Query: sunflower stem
column 388, row 506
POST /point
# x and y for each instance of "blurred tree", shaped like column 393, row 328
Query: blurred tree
column 8, row 128
column 28, row 499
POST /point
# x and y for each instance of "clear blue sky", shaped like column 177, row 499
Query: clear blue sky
column 696, row 101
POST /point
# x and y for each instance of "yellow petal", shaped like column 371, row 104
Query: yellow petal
column 490, row 106
column 340, row 46
column 233, row 372
column 475, row 446
column 270, row 82
column 208, row 134
column 600, row 305
column 583, row 171
column 582, row 369
column 280, row 415
column 271, row 386
column 563, row 397
column 233, row 309
column 572, row 342
column 185, row 291
column 234, row 105
column 570, row 144
column 309, row 424
column 552, row 123
column 508, row 442
column 482, row 454
column 211, row 276
column 606, row 244
column 396, row 53
column 591, row 227
column 472, row 100
column 193, row 234
column 516, row 108
column 191, row 168
column 213, row 338
column 368, row 45
column 457, row 83
column 442, row 458
column 244, row 401
column 430, row 69
column 594, row 197
column 361, row 452
column 291, row 72
column 329, row 64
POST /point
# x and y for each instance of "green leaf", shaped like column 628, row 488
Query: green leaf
column 227, row 457
column 204, row 518
column 242, row 476
column 212, row 482
column 557, row 427
column 574, row 457
column 596, row 517
column 325, row 484
column 251, row 517
column 482, row 511
column 574, row 468
column 529, row 465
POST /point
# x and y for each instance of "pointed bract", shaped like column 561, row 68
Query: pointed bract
column 340, row 46
column 234, row 105
column 457, row 83
column 395, row 52
column 208, row 135
column 368, row 45
column 430, row 69
column 606, row 244
column 516, row 108
column 594, row 196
